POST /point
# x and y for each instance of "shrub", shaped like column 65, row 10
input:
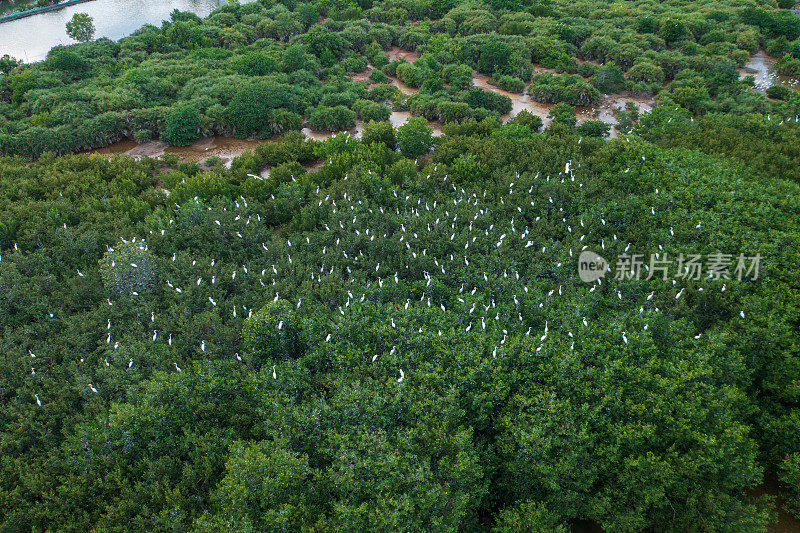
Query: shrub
column 372, row 111
column 379, row 132
column 331, row 118
column 273, row 333
column 377, row 76
column 563, row 114
column 511, row 84
column 646, row 72
column 255, row 63
column 526, row 118
column 594, row 128
column 69, row 62
column 573, row 90
column 402, row 171
column 181, row 125
column 128, row 268
column 250, row 110
column 477, row 97
column 779, row 92
column 415, row 137
column 142, row 136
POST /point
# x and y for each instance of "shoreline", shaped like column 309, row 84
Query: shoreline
column 39, row 10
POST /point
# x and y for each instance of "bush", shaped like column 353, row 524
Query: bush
column 181, row 125
column 128, row 268
column 526, row 118
column 402, row 171
column 477, row 97
column 331, row 118
column 69, row 62
column 377, row 76
column 266, row 488
column 273, row 334
column 415, row 137
column 143, row 136
column 511, row 84
column 594, row 128
column 608, row 79
column 372, row 111
column 646, row 72
column 570, row 89
column 379, row 132
column 563, row 114
column 779, row 92
column 251, row 109
column 255, row 63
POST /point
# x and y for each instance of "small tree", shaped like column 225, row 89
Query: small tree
column 128, row 268
column 415, row 137
column 181, row 125
column 81, row 27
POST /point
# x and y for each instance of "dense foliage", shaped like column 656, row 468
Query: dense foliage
column 389, row 333
column 389, row 345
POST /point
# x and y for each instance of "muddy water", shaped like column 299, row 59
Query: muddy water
column 396, row 53
column 227, row 148
column 605, row 110
column 762, row 68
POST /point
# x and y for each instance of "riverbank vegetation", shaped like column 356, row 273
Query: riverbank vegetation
column 388, row 332
column 301, row 60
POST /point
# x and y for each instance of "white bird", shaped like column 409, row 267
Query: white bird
column 177, row 367
column 741, row 314
column 328, row 338
column 280, row 324
column 584, row 321
column 375, row 357
column 274, row 375
column 38, row 401
column 624, row 338
column 155, row 334
column 402, row 376
column 80, row 273
column 91, row 387
column 203, row 346
column 130, row 363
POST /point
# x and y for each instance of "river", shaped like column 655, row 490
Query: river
column 29, row 39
